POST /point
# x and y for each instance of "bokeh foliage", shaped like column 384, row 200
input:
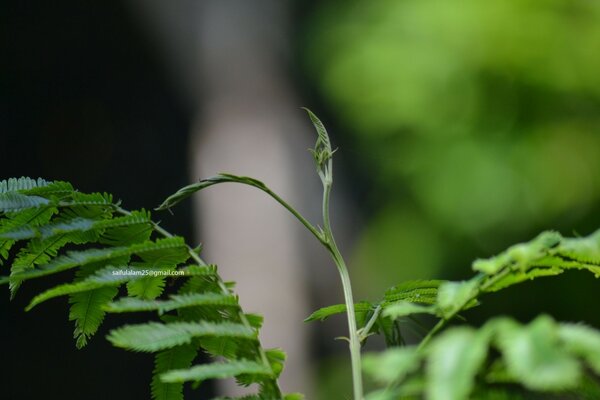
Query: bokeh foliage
column 477, row 122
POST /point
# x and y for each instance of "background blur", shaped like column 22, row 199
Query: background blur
column 463, row 127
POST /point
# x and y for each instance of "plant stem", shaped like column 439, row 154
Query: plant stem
column 355, row 356
column 365, row 331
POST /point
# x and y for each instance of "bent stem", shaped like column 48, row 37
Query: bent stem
column 322, row 154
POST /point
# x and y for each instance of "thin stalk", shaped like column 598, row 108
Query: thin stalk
column 364, row 333
column 355, row 356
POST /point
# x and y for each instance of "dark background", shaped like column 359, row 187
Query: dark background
column 83, row 99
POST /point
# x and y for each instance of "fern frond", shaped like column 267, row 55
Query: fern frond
column 87, row 311
column 155, row 336
column 150, row 287
column 585, row 250
column 416, row 291
column 81, row 225
column 406, row 308
column 21, row 222
column 19, row 184
column 189, row 190
column 453, row 362
column 532, row 355
column 174, row 302
column 326, row 312
column 40, row 251
column 216, row 370
column 177, row 358
column 106, row 277
column 582, row 341
column 48, row 216
column 14, row 202
column 548, row 254
column 78, row 258
column 199, row 270
column 542, row 356
column 520, row 276
column 133, row 228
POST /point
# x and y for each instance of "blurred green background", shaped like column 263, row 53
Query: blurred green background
column 468, row 125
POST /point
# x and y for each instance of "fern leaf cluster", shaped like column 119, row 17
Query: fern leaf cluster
column 384, row 316
column 548, row 254
column 115, row 261
column 543, row 356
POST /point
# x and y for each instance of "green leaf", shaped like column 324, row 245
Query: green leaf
column 276, row 358
column 199, row 270
column 155, row 336
column 392, row 365
column 19, row 184
column 293, row 396
column 585, row 250
column 147, row 287
column 87, row 312
column 454, row 296
column 533, row 355
column 255, row 320
column 519, row 276
column 179, row 357
column 216, row 370
column 582, row 341
column 322, row 153
column 188, row 190
column 88, row 205
column 57, row 189
column 22, row 221
column 522, row 254
column 415, row 291
column 128, row 304
column 405, row 308
column 107, row 277
column 133, row 228
column 326, row 312
column 77, row 258
column 40, row 251
column 454, row 359
column 85, row 224
column 13, row 202
column 152, row 286
column 320, row 128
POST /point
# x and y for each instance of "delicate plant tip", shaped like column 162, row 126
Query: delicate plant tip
column 322, row 153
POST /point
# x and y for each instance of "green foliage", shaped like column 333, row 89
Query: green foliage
column 216, row 370
column 128, row 304
column 115, row 248
column 543, row 356
column 108, row 248
column 176, row 358
column 187, row 191
column 154, row 336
